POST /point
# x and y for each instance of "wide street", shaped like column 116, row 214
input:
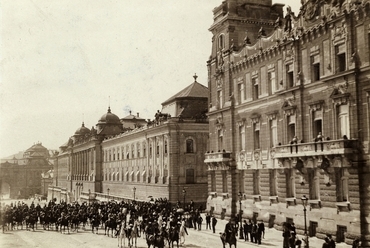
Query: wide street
column 84, row 238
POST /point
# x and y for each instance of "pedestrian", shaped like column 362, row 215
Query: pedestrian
column 195, row 221
column 250, row 225
column 261, row 228
column 199, row 221
column 245, row 230
column 331, row 241
column 326, row 243
column 286, row 236
column 254, row 238
column 260, row 232
column 292, row 239
column 208, row 221
column 356, row 243
column 214, row 222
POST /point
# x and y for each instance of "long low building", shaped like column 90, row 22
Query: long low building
column 133, row 158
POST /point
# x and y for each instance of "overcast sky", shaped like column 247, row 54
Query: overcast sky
column 65, row 62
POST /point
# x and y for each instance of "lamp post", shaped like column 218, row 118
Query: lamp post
column 241, row 236
column 184, row 193
column 304, row 203
column 108, row 192
column 89, row 196
column 134, row 192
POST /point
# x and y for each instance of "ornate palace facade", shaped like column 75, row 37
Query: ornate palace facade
column 131, row 158
column 289, row 115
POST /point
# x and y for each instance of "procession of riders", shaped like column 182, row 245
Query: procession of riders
column 158, row 222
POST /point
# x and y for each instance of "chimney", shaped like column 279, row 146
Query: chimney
column 137, row 114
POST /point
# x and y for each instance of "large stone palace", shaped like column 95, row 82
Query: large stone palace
column 133, row 158
column 289, row 115
column 27, row 173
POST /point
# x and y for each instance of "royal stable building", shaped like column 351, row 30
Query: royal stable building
column 133, row 158
column 289, row 115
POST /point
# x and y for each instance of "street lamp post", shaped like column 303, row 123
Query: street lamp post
column 241, row 236
column 89, row 196
column 108, row 192
column 184, row 193
column 134, row 192
column 304, row 203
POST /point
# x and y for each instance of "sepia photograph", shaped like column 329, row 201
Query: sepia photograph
column 185, row 123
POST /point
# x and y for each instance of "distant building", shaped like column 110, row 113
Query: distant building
column 289, row 115
column 21, row 174
column 131, row 158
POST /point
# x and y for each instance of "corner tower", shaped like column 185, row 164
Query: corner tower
column 236, row 24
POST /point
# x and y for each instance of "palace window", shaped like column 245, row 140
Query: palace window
column 157, row 150
column 165, row 147
column 273, row 182
column 340, row 57
column 241, row 91
column 314, row 184
column 219, row 99
column 273, row 133
column 343, row 121
column 224, row 182
column 342, row 184
column 317, row 122
column 213, row 181
column 315, row 67
column 242, row 137
column 256, row 182
column 290, row 76
column 221, row 41
column 118, row 153
column 114, row 154
column 291, row 126
column 272, row 82
column 255, row 88
column 133, row 151
column 190, row 177
column 150, row 150
column 144, row 149
column 220, row 135
column 241, row 181
column 290, row 183
column 138, row 150
column 256, row 135
column 189, row 146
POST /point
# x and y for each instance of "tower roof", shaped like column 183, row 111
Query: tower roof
column 194, row 90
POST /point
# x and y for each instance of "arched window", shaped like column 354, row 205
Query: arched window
column 189, row 145
column 221, row 41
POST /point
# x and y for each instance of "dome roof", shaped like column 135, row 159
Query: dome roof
column 82, row 130
column 37, row 150
column 109, row 118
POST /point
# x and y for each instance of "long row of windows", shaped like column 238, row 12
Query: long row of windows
column 316, row 126
column 139, row 150
column 313, row 180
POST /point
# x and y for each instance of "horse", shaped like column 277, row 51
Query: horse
column 95, row 223
column 63, row 222
column 133, row 234
column 31, row 220
column 173, row 236
column 110, row 224
column 157, row 240
column 231, row 240
column 122, row 235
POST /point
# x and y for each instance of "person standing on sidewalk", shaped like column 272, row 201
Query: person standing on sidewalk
column 331, row 241
column 199, row 221
column 245, row 230
column 208, row 221
column 214, row 222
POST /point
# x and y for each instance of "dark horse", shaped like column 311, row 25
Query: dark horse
column 156, row 240
column 173, row 236
column 111, row 224
column 231, row 240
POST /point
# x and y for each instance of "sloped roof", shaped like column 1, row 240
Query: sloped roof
column 195, row 90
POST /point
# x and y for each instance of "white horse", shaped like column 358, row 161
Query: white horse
column 133, row 234
column 122, row 235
